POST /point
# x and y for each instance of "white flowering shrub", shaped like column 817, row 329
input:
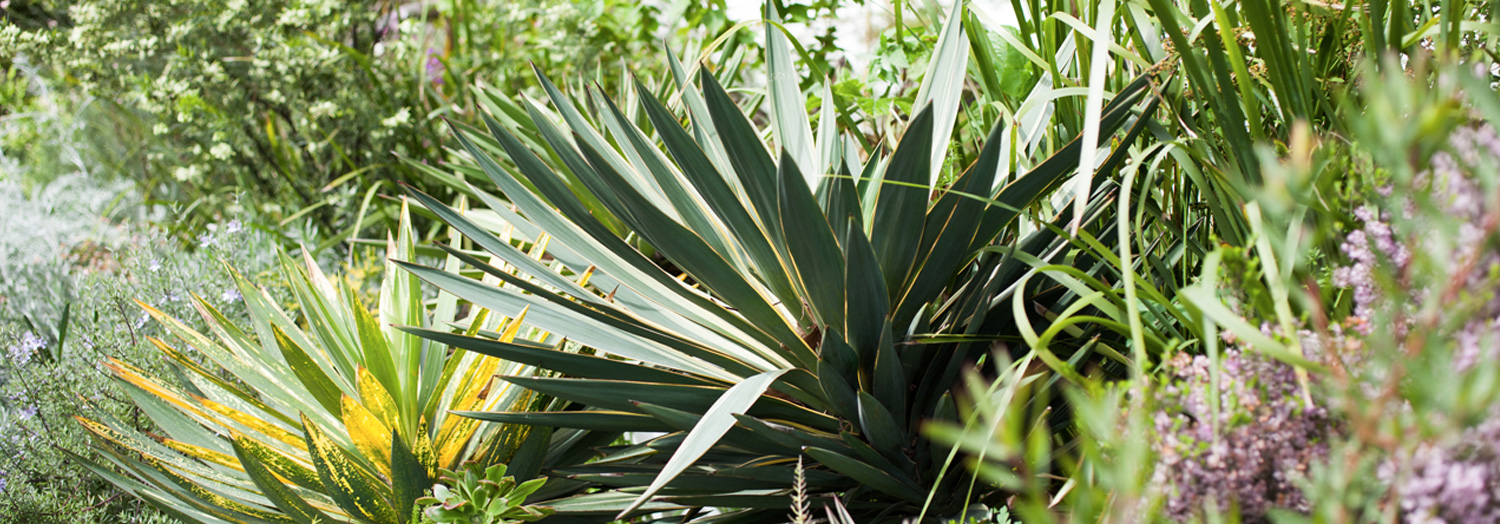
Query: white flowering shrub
column 267, row 109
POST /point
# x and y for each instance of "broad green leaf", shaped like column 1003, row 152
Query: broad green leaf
column 720, row 197
column 606, row 250
column 698, row 259
column 752, row 165
column 586, row 134
column 715, row 423
column 902, row 202
column 949, row 233
column 879, row 427
column 567, row 363
column 621, row 395
column 411, row 475
column 350, row 485
column 311, row 375
column 813, row 248
column 703, row 125
column 865, row 474
column 866, row 302
column 607, row 504
column 587, row 330
column 588, row 419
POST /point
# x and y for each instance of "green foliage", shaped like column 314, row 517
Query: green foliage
column 295, row 111
column 1321, row 146
column 481, row 496
column 795, row 308
column 345, row 417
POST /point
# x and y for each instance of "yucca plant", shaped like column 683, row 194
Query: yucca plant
column 334, row 417
column 791, row 303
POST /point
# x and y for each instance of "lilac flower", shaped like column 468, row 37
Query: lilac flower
column 1456, row 483
column 207, row 240
column 231, row 295
column 1464, row 257
column 232, row 227
column 28, row 412
column 434, row 67
column 1250, row 453
column 21, row 353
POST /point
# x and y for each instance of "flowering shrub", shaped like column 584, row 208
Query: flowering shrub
column 1456, row 483
column 269, row 109
column 1245, row 446
column 1425, row 270
column 94, row 268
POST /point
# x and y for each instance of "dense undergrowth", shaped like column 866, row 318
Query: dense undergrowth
column 1108, row 261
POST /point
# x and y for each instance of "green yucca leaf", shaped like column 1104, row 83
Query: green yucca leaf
column 815, row 255
column 790, row 129
column 410, row 476
column 751, row 164
column 902, row 201
column 587, row 419
column 942, row 88
column 718, row 196
column 358, row 446
column 866, row 474
column 573, row 364
column 311, row 376
column 716, row 421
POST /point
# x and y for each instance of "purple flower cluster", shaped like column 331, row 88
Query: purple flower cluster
column 21, row 353
column 1464, row 256
column 434, row 67
column 1250, row 452
column 1365, row 247
column 1456, row 483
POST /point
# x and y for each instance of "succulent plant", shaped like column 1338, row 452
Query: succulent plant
column 475, row 495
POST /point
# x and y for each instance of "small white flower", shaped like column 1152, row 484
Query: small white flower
column 221, row 151
column 323, row 109
column 187, row 173
column 401, row 117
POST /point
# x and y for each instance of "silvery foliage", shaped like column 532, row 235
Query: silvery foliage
column 39, row 230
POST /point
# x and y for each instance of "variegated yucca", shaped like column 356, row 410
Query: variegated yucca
column 816, row 299
column 335, row 417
